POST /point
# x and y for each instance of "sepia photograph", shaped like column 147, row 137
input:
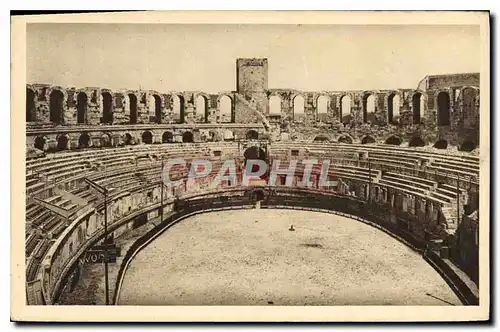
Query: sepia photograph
column 255, row 164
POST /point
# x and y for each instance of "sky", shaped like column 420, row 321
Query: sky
column 180, row 57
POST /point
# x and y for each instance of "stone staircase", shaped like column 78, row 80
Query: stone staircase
column 248, row 106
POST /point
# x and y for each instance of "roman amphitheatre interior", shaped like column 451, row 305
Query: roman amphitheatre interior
column 397, row 223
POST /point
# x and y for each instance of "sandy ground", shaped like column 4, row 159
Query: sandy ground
column 249, row 257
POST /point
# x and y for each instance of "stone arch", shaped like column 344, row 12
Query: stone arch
column 167, row 137
column 84, row 141
column 368, row 101
column 225, row 103
column 393, row 106
column 107, row 107
column 202, row 102
column 367, row 140
column 346, row 139
column 56, row 101
column 393, row 140
column 470, row 105
column 106, row 140
column 441, row 144
column 128, row 139
column 345, row 102
column 467, row 146
column 30, row 105
column 81, row 107
column 252, row 135
column 275, row 105
column 322, row 103
column 254, row 153
column 62, row 142
column 147, row 137
column 155, row 103
column 40, row 142
column 187, row 137
column 298, row 102
column 132, row 98
column 321, row 138
column 178, row 107
column 417, row 103
column 416, row 142
column 443, row 108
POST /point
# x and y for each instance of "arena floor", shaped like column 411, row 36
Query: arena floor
column 249, row 257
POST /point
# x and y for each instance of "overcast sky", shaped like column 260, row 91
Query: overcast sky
column 203, row 57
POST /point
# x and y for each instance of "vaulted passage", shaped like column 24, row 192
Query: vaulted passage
column 298, row 108
column 167, row 137
column 367, row 140
column 393, row 104
column 84, row 140
column 252, row 135
column 416, row 105
column 443, row 101
column 202, row 107
column 107, row 108
column 441, row 144
column 322, row 108
column 81, row 108
column 178, row 108
column 133, row 108
column 368, row 108
column 127, row 140
column 62, row 142
column 187, row 137
column 321, row 138
column 30, row 105
column 255, row 153
column 147, row 137
column 345, row 139
column 467, row 146
column 156, row 106
column 56, row 106
column 416, row 141
column 393, row 140
column 345, row 109
column 40, row 143
column 226, row 109
column 275, row 105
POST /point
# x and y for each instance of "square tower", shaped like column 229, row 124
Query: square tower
column 251, row 75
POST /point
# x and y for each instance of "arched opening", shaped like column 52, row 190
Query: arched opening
column 30, row 105
column 393, row 140
column 56, row 106
column 443, row 101
column 467, row 146
column 345, row 139
column 62, row 142
column 252, row 135
column 155, row 109
column 202, row 107
column 441, row 144
column 178, row 108
column 345, row 109
column 128, row 139
column 40, row 143
column 275, row 105
column 416, row 141
column 225, row 109
column 393, row 105
column 367, row 140
column 257, row 195
column 133, row 108
column 81, row 107
column 255, row 153
column 107, row 108
column 106, row 140
column 298, row 108
column 469, row 106
column 368, row 108
column 187, row 137
column 84, row 141
column 167, row 137
column 147, row 137
column 416, row 105
column 322, row 108
column 321, row 138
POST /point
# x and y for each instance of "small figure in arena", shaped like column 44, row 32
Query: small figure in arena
column 291, row 229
